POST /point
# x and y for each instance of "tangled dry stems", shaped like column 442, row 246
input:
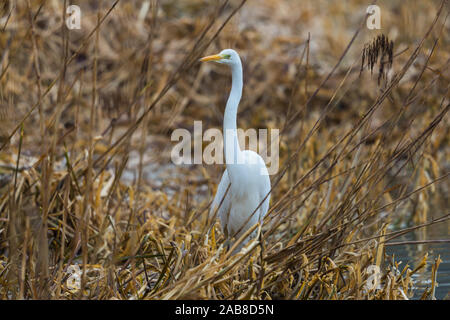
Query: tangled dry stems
column 85, row 110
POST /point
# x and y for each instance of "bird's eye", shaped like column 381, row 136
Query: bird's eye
column 226, row 56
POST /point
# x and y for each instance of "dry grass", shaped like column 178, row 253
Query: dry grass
column 86, row 179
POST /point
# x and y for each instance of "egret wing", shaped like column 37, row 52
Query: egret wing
column 222, row 207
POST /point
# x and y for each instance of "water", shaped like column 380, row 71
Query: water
column 412, row 254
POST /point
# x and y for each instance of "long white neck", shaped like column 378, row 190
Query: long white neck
column 231, row 142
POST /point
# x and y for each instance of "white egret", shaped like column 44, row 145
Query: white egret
column 245, row 169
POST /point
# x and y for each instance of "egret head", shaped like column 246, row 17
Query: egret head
column 226, row 56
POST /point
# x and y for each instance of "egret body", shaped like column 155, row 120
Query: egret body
column 246, row 176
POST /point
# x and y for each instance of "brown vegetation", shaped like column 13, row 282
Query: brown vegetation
column 86, row 116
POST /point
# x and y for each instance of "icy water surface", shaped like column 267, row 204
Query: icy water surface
column 412, row 254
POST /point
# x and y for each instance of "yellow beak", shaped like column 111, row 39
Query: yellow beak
column 215, row 57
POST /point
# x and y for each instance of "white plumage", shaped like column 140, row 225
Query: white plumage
column 246, row 170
